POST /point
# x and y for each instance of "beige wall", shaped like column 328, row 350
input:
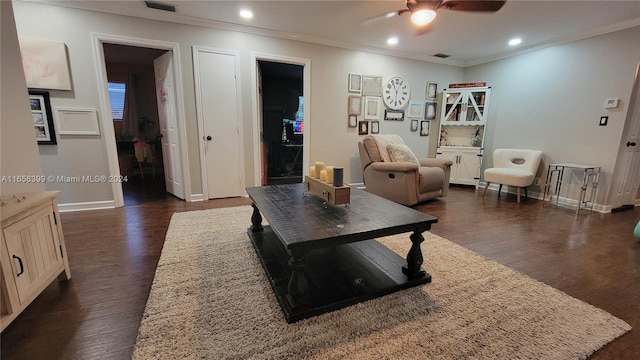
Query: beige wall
column 552, row 100
column 331, row 140
column 18, row 145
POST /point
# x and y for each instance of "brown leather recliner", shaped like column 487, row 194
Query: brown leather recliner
column 392, row 171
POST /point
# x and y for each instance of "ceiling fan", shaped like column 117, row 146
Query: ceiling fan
column 424, row 11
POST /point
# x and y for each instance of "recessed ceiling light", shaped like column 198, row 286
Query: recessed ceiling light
column 392, row 40
column 515, row 41
column 423, row 16
column 246, row 14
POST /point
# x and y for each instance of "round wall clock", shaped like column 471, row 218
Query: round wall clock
column 396, row 93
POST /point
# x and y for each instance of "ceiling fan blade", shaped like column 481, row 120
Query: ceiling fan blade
column 385, row 16
column 476, row 6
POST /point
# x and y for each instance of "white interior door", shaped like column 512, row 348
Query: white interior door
column 626, row 177
column 217, row 96
column 165, row 92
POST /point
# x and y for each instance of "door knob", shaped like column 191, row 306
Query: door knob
column 631, row 143
column 209, row 138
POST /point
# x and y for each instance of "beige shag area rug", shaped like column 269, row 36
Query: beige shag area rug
column 210, row 299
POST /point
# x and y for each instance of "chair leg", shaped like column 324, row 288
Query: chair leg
column 485, row 188
column 526, row 196
column 499, row 189
column 518, row 194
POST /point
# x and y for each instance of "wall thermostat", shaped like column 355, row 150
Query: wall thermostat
column 611, row 103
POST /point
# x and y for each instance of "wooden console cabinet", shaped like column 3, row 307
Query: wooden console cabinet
column 32, row 251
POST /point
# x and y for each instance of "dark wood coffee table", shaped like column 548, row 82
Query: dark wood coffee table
column 319, row 259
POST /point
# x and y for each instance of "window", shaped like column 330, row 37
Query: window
column 116, row 96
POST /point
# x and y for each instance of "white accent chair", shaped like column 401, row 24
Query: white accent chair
column 513, row 167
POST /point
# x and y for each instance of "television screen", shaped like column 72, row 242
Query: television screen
column 298, row 127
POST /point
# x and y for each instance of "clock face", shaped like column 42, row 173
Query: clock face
column 396, row 93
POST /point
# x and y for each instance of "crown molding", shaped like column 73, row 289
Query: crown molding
column 623, row 25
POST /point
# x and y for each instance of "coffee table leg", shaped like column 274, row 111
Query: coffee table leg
column 298, row 281
column 256, row 220
column 414, row 258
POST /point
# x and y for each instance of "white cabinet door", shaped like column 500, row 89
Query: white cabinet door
column 466, row 164
column 34, row 250
column 468, row 167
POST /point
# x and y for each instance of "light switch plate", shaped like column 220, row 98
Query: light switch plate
column 604, row 120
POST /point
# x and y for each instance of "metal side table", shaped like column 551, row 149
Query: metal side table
column 589, row 182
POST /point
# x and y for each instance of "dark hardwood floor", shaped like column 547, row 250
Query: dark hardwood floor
column 114, row 253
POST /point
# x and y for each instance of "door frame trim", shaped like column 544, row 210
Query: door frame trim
column 199, row 113
column 306, row 93
column 105, row 106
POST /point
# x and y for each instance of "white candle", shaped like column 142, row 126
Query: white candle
column 319, row 166
column 312, row 171
column 323, row 175
column 330, row 174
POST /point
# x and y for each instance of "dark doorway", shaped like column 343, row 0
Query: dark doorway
column 282, row 121
column 132, row 93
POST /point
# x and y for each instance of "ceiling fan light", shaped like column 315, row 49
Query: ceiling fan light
column 423, row 16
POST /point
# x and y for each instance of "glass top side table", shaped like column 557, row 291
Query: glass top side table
column 591, row 175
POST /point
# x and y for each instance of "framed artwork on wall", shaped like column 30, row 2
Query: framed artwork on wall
column 397, row 115
column 371, row 85
column 414, row 125
column 415, row 110
column 432, row 90
column 424, row 128
column 353, row 121
column 372, row 108
column 355, row 82
column 355, row 105
column 429, row 110
column 375, row 127
column 42, row 117
column 363, row 128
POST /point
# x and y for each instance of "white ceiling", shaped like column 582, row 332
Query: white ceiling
column 470, row 38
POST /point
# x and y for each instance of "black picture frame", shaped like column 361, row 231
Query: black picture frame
column 394, row 115
column 375, row 127
column 42, row 117
column 424, row 128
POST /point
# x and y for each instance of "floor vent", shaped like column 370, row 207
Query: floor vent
column 160, row 6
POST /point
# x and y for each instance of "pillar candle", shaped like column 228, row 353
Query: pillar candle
column 319, row 166
column 323, row 175
column 338, row 174
column 312, row 171
column 329, row 174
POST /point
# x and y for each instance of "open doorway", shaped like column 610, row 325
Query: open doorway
column 134, row 107
column 282, row 122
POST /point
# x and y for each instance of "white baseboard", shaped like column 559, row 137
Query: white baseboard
column 89, row 205
column 358, row 185
column 196, row 197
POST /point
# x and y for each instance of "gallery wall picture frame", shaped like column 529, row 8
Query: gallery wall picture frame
column 77, row 121
column 42, row 117
column 355, row 105
column 375, row 127
column 432, row 90
column 429, row 110
column 371, row 85
column 355, row 82
column 372, row 108
column 45, row 64
column 424, row 128
column 414, row 125
column 396, row 115
column 363, row 127
column 353, row 121
column 415, row 110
